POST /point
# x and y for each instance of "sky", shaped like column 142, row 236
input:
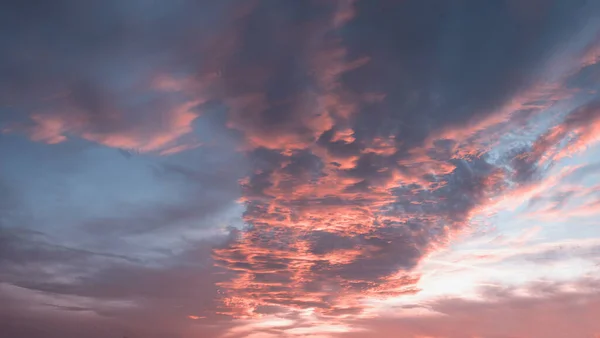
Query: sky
column 286, row 168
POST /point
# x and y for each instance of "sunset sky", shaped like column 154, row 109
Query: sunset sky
column 300, row 168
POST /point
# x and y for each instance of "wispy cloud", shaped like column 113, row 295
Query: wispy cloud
column 315, row 160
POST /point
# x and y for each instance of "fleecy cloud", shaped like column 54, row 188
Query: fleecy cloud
column 381, row 181
column 332, row 165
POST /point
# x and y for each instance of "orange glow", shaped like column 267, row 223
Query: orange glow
column 195, row 317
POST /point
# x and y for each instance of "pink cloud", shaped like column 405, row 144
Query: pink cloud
column 551, row 314
column 158, row 126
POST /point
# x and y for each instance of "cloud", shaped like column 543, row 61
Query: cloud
column 54, row 286
column 543, row 254
column 550, row 312
column 69, row 269
column 372, row 133
column 153, row 123
column 348, row 196
column 105, row 73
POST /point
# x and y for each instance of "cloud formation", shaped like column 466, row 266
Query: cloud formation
column 355, row 194
column 505, row 314
column 314, row 155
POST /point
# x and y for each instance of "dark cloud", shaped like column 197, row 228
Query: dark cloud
column 389, row 181
column 54, row 46
column 23, row 246
column 103, row 72
column 443, row 64
column 587, row 77
column 364, row 125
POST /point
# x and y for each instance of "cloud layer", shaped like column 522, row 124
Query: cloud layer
column 211, row 163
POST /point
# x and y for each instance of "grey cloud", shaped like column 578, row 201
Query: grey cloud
column 441, row 63
column 438, row 64
column 161, row 294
